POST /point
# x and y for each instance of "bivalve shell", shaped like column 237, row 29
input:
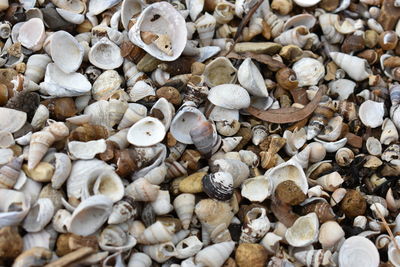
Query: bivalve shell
column 146, row 132
column 230, row 96
column 32, row 34
column 251, row 79
column 358, row 251
column 66, row 52
column 105, row 55
column 304, row 231
column 371, row 113
column 256, row 189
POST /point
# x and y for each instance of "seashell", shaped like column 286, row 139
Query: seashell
column 389, row 132
column 73, row 6
column 379, row 210
column 393, row 253
column 39, row 215
column 70, row 16
column 162, row 204
column 344, row 156
column 195, row 8
column 96, row 7
column 214, row 255
column 176, row 169
column 304, row 3
column 114, row 238
column 184, row 207
column 249, row 158
column 190, row 120
column 139, row 259
column 90, row 215
column 14, row 206
column 133, row 114
column 299, row 36
column 312, row 257
column 123, row 210
column 188, row 247
column 359, row 69
column 223, row 12
column 160, row 252
column 360, row 221
column 332, row 130
column 294, row 140
column 256, row 189
column 308, row 71
column 61, row 220
column 371, row 113
column 86, row 150
column 41, row 116
column 358, row 250
column 222, row 114
column 12, row 120
column 238, row 170
column 251, row 79
column 304, row 231
column 106, row 85
column 222, row 96
column 39, row 239
column 10, row 172
column 41, row 173
column 160, row 77
column 142, row 190
column 330, row 182
column 205, row 26
column 230, row 143
column 36, row 67
column 219, row 71
column 58, row 83
column 373, row 146
column 40, row 142
column 155, row 234
column 395, row 94
column 256, row 225
column 218, row 185
column 212, row 214
column 259, row 133
column 140, row 90
column 166, row 109
column 129, row 9
column 228, row 128
column 32, row 34
column 102, row 51
column 332, row 146
column 165, row 44
column 146, row 132
column 330, row 233
column 343, row 87
column 67, row 53
column 108, row 183
column 34, row 256
column 289, row 170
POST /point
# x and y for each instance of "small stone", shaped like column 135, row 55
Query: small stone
column 251, row 255
column 389, row 15
column 260, row 48
column 10, row 243
column 290, row 193
column 193, row 183
column 171, row 94
column 41, row 173
column 353, row 204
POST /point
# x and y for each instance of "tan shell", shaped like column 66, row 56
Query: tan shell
column 184, row 207
column 142, row 190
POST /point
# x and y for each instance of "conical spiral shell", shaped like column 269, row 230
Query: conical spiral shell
column 155, row 233
column 215, row 255
column 184, row 207
column 9, row 173
column 142, row 190
column 355, row 67
column 40, row 143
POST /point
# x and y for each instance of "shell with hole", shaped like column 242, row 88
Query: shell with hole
column 160, row 252
column 357, row 68
column 115, row 238
column 90, row 215
column 304, row 231
column 14, row 206
column 39, row 215
column 151, row 34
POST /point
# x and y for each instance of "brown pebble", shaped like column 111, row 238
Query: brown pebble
column 329, row 5
column 229, row 263
column 61, row 108
column 353, row 43
column 171, row 94
column 289, row 192
column 251, row 255
column 10, row 243
column 353, row 204
column 389, row 15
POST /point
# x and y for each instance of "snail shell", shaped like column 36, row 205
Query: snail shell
column 218, row 185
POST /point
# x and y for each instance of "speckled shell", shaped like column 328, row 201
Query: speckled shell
column 218, row 185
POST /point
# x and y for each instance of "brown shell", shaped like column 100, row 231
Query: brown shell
column 353, row 43
column 3, row 94
column 36, row 256
column 392, row 62
column 322, row 209
column 61, row 108
column 126, row 162
column 370, row 55
column 11, row 244
column 251, row 255
column 88, row 132
column 180, row 66
column 132, row 52
column 388, row 40
column 389, row 15
column 286, row 78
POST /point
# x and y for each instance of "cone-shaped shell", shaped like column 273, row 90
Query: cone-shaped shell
column 133, row 114
column 251, row 79
column 9, row 173
column 358, row 251
column 155, row 234
column 230, row 96
column 212, row 214
column 184, row 207
column 66, row 52
column 90, row 215
column 215, row 255
column 162, row 204
column 304, row 231
column 36, row 67
column 142, row 190
column 161, row 19
column 357, row 68
column 146, row 132
column 40, row 143
column 139, row 259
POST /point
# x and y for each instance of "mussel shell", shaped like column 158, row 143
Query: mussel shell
column 218, row 185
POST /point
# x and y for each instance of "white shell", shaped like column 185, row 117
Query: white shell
column 160, row 252
column 139, row 259
column 6, row 139
column 98, row 6
column 129, row 8
column 205, row 26
column 219, row 71
column 76, row 6
column 106, row 85
column 343, row 87
column 162, row 204
column 114, row 238
column 358, row 251
column 330, row 182
column 38, row 239
column 133, row 114
column 9, row 201
column 105, row 55
column 167, row 110
column 332, row 146
column 230, row 96
column 39, row 215
column 238, row 170
column 357, row 68
column 389, row 132
column 185, row 119
column 374, row 146
column 251, row 79
column 61, row 220
column 32, row 34
column 11, row 120
column 288, row 171
column 66, row 52
column 257, row 188
column 219, row 114
column 215, row 255
column 195, row 7
column 90, row 215
column 58, row 83
column 155, row 233
column 306, row 3
column 169, row 21
column 108, row 183
column 333, row 130
column 371, row 113
column 308, row 71
column 393, row 253
column 304, row 231
column 86, row 150
column 140, row 90
column 42, row 114
column 146, row 132
column 70, row 16
column 36, row 67
column 188, row 247
column 330, row 233
column 184, row 207
column 62, row 170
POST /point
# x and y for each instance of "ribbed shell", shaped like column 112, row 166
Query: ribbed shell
column 218, row 185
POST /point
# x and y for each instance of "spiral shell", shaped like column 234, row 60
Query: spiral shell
column 142, row 190
column 184, row 207
column 9, row 173
column 218, row 185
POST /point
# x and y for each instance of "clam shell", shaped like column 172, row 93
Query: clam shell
column 70, row 16
column 304, row 231
column 140, row 90
column 256, row 189
column 371, row 113
column 39, row 215
column 129, row 8
column 98, row 6
column 32, row 34
column 105, row 55
column 358, row 251
column 14, row 206
column 218, row 185
column 332, row 146
column 90, row 215
column 176, row 31
column 343, row 87
column 306, row 3
column 76, row 6
column 11, row 120
column 230, row 96
column 219, row 71
column 146, row 132
column 184, row 121
column 308, row 71
column 251, row 79
column 288, row 171
column 66, row 52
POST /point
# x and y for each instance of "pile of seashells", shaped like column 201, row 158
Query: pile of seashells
column 213, row 133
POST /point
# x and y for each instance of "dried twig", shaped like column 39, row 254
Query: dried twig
column 385, row 224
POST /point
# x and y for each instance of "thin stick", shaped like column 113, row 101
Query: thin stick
column 385, row 224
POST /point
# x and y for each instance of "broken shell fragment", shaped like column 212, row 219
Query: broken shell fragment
column 304, row 231
column 371, row 113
